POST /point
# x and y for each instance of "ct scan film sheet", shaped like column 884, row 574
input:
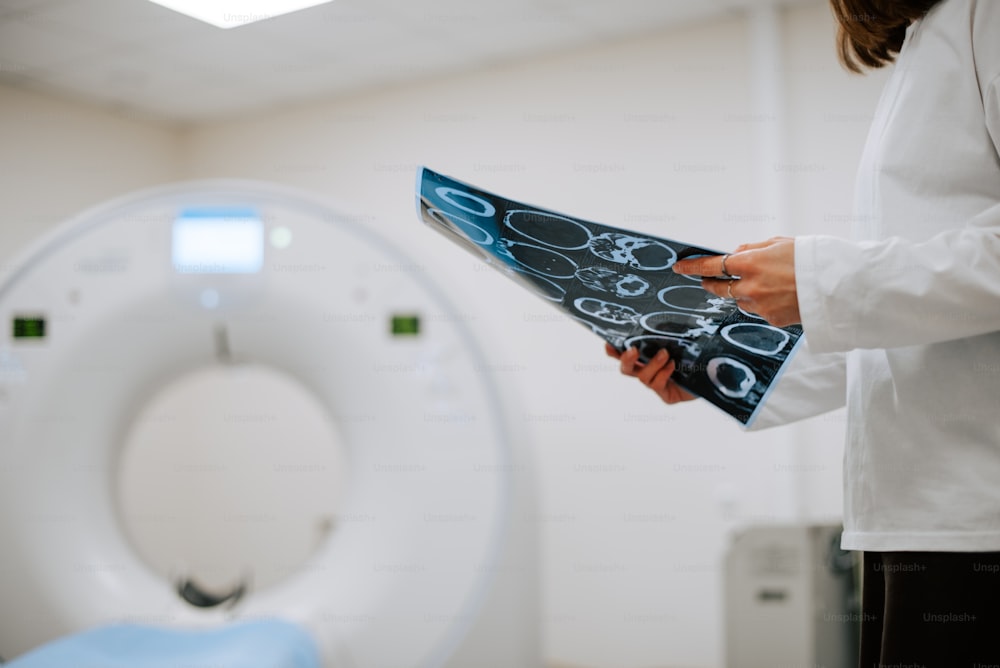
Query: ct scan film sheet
column 619, row 284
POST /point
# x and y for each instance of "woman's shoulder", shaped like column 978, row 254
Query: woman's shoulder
column 984, row 18
column 972, row 28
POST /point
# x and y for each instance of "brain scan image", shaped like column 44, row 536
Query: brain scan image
column 691, row 298
column 648, row 344
column 626, row 286
column 466, row 201
column 618, row 314
column 548, row 229
column 678, row 325
column 756, row 337
column 613, row 336
column 540, row 260
column 472, row 231
column 632, row 251
column 731, row 377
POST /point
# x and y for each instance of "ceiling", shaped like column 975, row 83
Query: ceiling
column 144, row 60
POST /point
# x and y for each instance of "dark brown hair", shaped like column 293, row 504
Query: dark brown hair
column 872, row 31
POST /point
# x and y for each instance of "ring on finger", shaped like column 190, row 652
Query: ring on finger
column 725, row 272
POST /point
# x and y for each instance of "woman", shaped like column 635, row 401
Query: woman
column 903, row 323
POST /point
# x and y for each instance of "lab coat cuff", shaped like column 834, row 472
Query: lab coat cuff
column 813, row 259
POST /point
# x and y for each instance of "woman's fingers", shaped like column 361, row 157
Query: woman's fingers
column 764, row 281
column 703, row 266
column 720, row 287
column 654, row 366
column 760, row 244
column 631, row 366
column 656, row 374
column 629, row 362
column 659, row 381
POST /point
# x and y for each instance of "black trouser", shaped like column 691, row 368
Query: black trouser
column 931, row 610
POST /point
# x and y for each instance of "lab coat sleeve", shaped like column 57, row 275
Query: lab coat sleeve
column 895, row 293
column 812, row 384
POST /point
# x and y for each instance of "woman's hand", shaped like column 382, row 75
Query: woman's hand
column 764, row 283
column 655, row 374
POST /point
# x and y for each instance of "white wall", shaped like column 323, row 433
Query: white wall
column 57, row 159
column 656, row 134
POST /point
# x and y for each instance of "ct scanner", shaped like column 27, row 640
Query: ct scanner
column 227, row 276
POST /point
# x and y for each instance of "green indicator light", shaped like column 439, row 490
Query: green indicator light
column 405, row 325
column 29, row 328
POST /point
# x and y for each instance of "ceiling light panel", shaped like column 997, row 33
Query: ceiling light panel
column 235, row 13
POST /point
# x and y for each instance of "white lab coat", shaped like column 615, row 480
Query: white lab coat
column 904, row 321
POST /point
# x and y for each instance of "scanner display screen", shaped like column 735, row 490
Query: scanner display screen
column 218, row 241
column 29, row 328
column 405, row 325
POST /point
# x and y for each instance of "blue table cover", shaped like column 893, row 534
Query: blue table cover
column 257, row 644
